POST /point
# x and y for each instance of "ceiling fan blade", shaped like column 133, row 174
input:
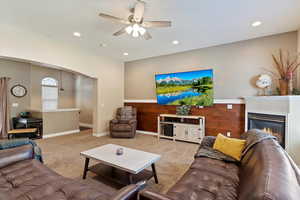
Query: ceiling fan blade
column 114, row 19
column 154, row 24
column 120, row 32
column 139, row 11
column 147, row 36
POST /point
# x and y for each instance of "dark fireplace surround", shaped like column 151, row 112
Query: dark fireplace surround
column 272, row 124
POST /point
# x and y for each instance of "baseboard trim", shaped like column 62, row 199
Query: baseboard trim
column 101, row 134
column 61, row 133
column 146, row 132
column 216, row 101
column 86, row 125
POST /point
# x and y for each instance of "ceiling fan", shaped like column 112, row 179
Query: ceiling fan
column 136, row 26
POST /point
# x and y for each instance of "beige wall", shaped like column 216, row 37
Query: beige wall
column 52, row 121
column 31, row 77
column 108, row 72
column 66, row 97
column 85, row 99
column 234, row 66
column 19, row 74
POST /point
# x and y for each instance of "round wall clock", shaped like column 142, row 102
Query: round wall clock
column 18, row 91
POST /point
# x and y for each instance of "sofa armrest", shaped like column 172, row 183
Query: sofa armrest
column 130, row 191
column 16, row 154
column 150, row 195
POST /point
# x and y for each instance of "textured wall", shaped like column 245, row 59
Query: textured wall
column 235, row 65
column 31, row 77
column 57, row 122
column 19, row 74
column 66, row 97
column 42, row 49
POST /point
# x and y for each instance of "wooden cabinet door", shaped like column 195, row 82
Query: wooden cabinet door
column 194, row 134
column 180, row 132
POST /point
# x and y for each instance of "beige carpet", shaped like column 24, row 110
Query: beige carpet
column 62, row 155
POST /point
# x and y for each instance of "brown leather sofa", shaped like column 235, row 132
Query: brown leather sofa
column 266, row 172
column 124, row 126
column 23, row 178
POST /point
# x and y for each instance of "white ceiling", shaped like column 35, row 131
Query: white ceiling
column 196, row 23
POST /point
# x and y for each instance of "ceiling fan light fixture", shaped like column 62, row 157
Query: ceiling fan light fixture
column 135, row 33
column 142, row 31
column 136, row 27
column 129, row 29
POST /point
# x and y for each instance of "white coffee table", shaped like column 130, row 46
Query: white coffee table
column 133, row 163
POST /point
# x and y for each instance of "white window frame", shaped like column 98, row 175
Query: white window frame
column 49, row 103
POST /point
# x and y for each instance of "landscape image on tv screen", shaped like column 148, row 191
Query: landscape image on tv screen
column 193, row 88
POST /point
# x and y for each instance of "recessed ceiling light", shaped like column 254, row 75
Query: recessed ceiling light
column 125, row 54
column 103, row 45
column 257, row 23
column 175, row 42
column 76, row 34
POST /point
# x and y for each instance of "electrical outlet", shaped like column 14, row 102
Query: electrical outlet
column 15, row 105
column 228, row 134
column 229, row 106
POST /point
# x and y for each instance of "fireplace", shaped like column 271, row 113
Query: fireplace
column 272, row 124
column 281, row 115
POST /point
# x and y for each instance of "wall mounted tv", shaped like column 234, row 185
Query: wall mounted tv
column 193, row 88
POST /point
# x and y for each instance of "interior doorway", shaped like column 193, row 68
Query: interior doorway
column 85, row 101
column 51, row 90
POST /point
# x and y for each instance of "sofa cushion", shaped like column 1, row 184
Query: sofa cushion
column 32, row 180
column 230, row 146
column 207, row 179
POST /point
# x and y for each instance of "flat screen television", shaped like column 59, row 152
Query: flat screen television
column 193, row 88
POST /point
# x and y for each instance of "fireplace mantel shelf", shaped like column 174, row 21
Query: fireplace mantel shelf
column 273, row 97
column 278, row 105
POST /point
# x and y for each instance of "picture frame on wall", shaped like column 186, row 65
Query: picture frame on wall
column 193, row 88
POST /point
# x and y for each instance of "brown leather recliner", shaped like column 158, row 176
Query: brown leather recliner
column 124, row 126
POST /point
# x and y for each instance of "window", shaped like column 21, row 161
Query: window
column 49, row 93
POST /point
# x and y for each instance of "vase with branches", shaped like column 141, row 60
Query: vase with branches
column 285, row 65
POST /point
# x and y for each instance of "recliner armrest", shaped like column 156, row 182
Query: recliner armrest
column 132, row 121
column 130, row 191
column 150, row 195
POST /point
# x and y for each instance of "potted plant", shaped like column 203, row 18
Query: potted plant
column 285, row 65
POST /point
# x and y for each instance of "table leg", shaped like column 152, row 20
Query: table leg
column 86, row 167
column 130, row 178
column 154, row 173
column 113, row 170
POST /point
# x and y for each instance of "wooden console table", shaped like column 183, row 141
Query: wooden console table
column 188, row 128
